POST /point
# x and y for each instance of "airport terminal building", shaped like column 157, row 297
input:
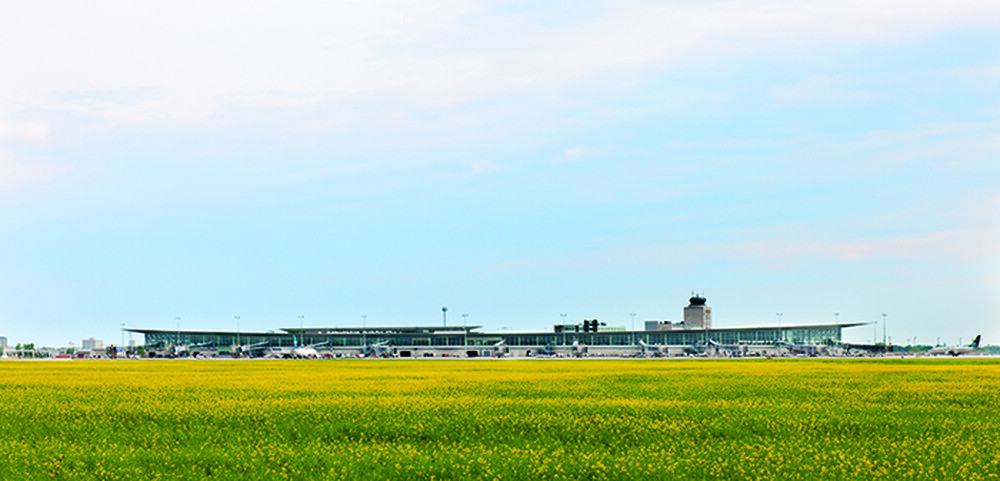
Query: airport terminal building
column 468, row 341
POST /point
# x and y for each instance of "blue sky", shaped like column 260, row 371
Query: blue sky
column 508, row 160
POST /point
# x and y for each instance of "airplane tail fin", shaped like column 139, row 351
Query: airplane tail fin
column 975, row 342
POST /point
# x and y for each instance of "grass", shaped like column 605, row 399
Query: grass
column 595, row 419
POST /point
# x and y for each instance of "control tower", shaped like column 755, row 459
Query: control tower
column 697, row 315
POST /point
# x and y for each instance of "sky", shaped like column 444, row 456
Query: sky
column 510, row 160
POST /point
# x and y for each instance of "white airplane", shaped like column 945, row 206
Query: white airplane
column 174, row 351
column 164, row 350
column 294, row 352
column 249, row 350
column 811, row 350
column 548, row 350
column 307, row 352
column 380, row 349
column 956, row 350
column 500, row 348
column 203, row 350
column 579, row 349
column 655, row 350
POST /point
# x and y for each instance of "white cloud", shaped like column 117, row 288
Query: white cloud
column 15, row 174
column 32, row 131
column 945, row 147
column 575, row 154
column 197, row 56
column 824, row 90
column 474, row 169
column 973, row 244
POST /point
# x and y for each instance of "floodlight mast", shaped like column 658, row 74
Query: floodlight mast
column 364, row 332
column 633, row 326
column 465, row 329
column 563, row 316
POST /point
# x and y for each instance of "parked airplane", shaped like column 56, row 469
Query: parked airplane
column 579, row 349
column 306, row 352
column 500, row 348
column 720, row 349
column 548, row 349
column 869, row 348
column 380, row 349
column 311, row 352
column 205, row 349
column 249, row 350
column 163, row 350
column 956, row 350
column 655, row 350
column 172, row 351
column 810, row 350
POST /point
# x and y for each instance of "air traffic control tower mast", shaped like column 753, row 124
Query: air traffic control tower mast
column 697, row 315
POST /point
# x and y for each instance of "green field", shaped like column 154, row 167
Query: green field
column 484, row 419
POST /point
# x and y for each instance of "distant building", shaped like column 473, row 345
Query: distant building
column 697, row 315
column 93, row 343
column 663, row 325
column 3, row 343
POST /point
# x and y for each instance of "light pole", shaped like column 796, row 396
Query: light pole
column 836, row 318
column 465, row 329
column 123, row 336
column 364, row 331
column 883, row 329
column 563, row 316
column 237, row 317
column 779, row 314
column 178, row 318
column 633, row 326
column 444, row 315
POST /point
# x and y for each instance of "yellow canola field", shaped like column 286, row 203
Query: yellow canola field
column 509, row 419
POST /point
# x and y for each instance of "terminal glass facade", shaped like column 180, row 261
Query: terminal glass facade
column 443, row 337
